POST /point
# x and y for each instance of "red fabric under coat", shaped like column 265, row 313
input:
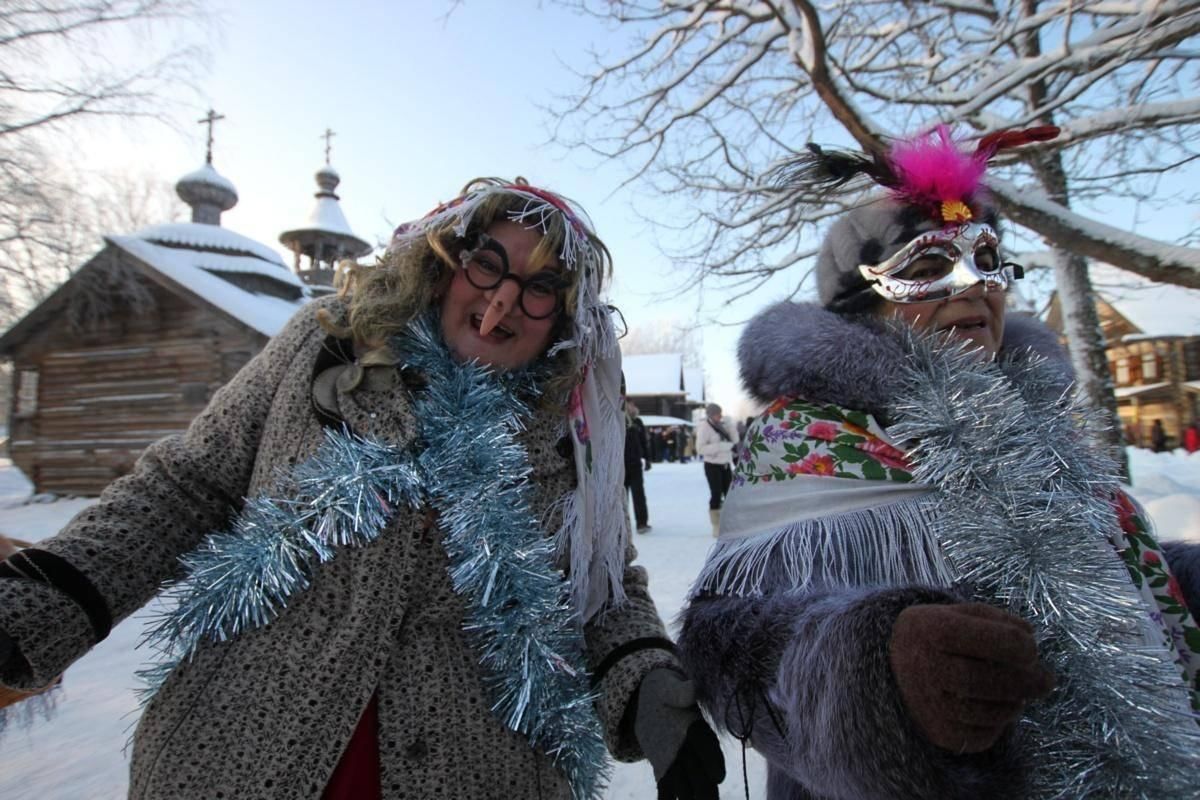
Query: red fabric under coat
column 356, row 776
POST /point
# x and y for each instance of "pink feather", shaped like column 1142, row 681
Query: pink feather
column 932, row 169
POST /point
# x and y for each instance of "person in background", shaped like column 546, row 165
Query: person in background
column 1191, row 437
column 636, row 456
column 929, row 582
column 1158, row 437
column 715, row 446
column 397, row 542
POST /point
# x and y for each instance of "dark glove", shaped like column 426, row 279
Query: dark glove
column 683, row 750
column 647, row 466
column 965, row 672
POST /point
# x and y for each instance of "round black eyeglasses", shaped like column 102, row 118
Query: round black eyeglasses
column 486, row 267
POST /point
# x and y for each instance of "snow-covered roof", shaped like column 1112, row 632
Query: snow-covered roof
column 194, row 270
column 210, row 237
column 653, row 374
column 1130, row 391
column 207, row 174
column 1157, row 309
column 327, row 216
column 693, row 384
column 325, row 222
column 658, row 421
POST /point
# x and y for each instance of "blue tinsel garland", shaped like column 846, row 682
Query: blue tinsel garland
column 474, row 472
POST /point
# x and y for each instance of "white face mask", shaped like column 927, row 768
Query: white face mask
column 942, row 264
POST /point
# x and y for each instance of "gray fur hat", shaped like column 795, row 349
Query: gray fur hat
column 868, row 234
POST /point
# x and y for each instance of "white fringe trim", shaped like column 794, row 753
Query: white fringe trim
column 891, row 545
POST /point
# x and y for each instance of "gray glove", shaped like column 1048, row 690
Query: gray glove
column 682, row 749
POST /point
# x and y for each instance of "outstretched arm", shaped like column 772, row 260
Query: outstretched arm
column 58, row 599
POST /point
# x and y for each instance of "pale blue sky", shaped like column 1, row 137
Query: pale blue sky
column 421, row 102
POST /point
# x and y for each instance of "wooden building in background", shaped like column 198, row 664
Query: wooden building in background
column 133, row 345
column 1152, row 337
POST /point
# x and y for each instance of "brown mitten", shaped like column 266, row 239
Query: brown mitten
column 965, row 672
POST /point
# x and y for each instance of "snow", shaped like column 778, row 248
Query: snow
column 693, row 384
column 657, row 421
column 79, row 751
column 209, row 237
column 653, row 374
column 208, row 174
column 327, row 216
column 1027, row 199
column 264, row 313
column 1157, row 309
column 1131, row 391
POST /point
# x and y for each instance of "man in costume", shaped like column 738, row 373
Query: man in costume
column 928, row 581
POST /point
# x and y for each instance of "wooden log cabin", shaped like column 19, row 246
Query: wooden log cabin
column 1152, row 342
column 132, row 346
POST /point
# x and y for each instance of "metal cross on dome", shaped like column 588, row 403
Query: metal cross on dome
column 210, row 119
column 328, row 137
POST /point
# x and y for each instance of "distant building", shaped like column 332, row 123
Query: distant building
column 1152, row 338
column 132, row 346
column 325, row 237
column 661, row 385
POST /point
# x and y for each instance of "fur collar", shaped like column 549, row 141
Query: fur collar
column 801, row 349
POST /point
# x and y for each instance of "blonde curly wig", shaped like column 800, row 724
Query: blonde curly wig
column 415, row 271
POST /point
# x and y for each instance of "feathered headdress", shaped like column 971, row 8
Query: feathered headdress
column 930, row 171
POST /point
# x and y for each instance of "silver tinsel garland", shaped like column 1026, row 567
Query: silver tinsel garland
column 469, row 466
column 1025, row 511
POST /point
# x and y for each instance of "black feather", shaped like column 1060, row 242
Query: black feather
column 820, row 171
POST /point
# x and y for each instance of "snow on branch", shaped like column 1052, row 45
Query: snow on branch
column 1158, row 261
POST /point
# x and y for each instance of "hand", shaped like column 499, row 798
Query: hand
column 647, row 465
column 965, row 672
column 682, row 749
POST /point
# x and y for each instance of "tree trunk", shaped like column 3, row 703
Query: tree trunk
column 1081, row 325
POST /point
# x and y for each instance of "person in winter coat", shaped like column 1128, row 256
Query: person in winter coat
column 715, row 446
column 928, row 583
column 1191, row 438
column 1158, row 437
column 397, row 544
column 637, row 461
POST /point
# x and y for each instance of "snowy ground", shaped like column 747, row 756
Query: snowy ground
column 79, row 751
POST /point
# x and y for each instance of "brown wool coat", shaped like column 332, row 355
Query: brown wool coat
column 269, row 714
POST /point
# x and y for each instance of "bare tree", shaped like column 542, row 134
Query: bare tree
column 68, row 212
column 665, row 337
column 714, row 91
column 61, row 66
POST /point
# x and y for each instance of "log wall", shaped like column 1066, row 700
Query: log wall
column 104, row 395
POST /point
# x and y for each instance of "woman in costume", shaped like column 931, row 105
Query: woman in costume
column 928, row 582
column 397, row 545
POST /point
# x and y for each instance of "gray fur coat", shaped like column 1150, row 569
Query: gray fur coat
column 804, row 675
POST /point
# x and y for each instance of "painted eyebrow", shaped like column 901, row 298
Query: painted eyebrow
column 488, row 243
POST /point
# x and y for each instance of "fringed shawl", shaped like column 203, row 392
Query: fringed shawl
column 983, row 480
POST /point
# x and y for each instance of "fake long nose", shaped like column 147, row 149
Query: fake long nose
column 504, row 299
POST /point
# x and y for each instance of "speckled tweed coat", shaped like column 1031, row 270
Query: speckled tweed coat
column 269, row 714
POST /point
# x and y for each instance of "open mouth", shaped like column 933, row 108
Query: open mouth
column 498, row 333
